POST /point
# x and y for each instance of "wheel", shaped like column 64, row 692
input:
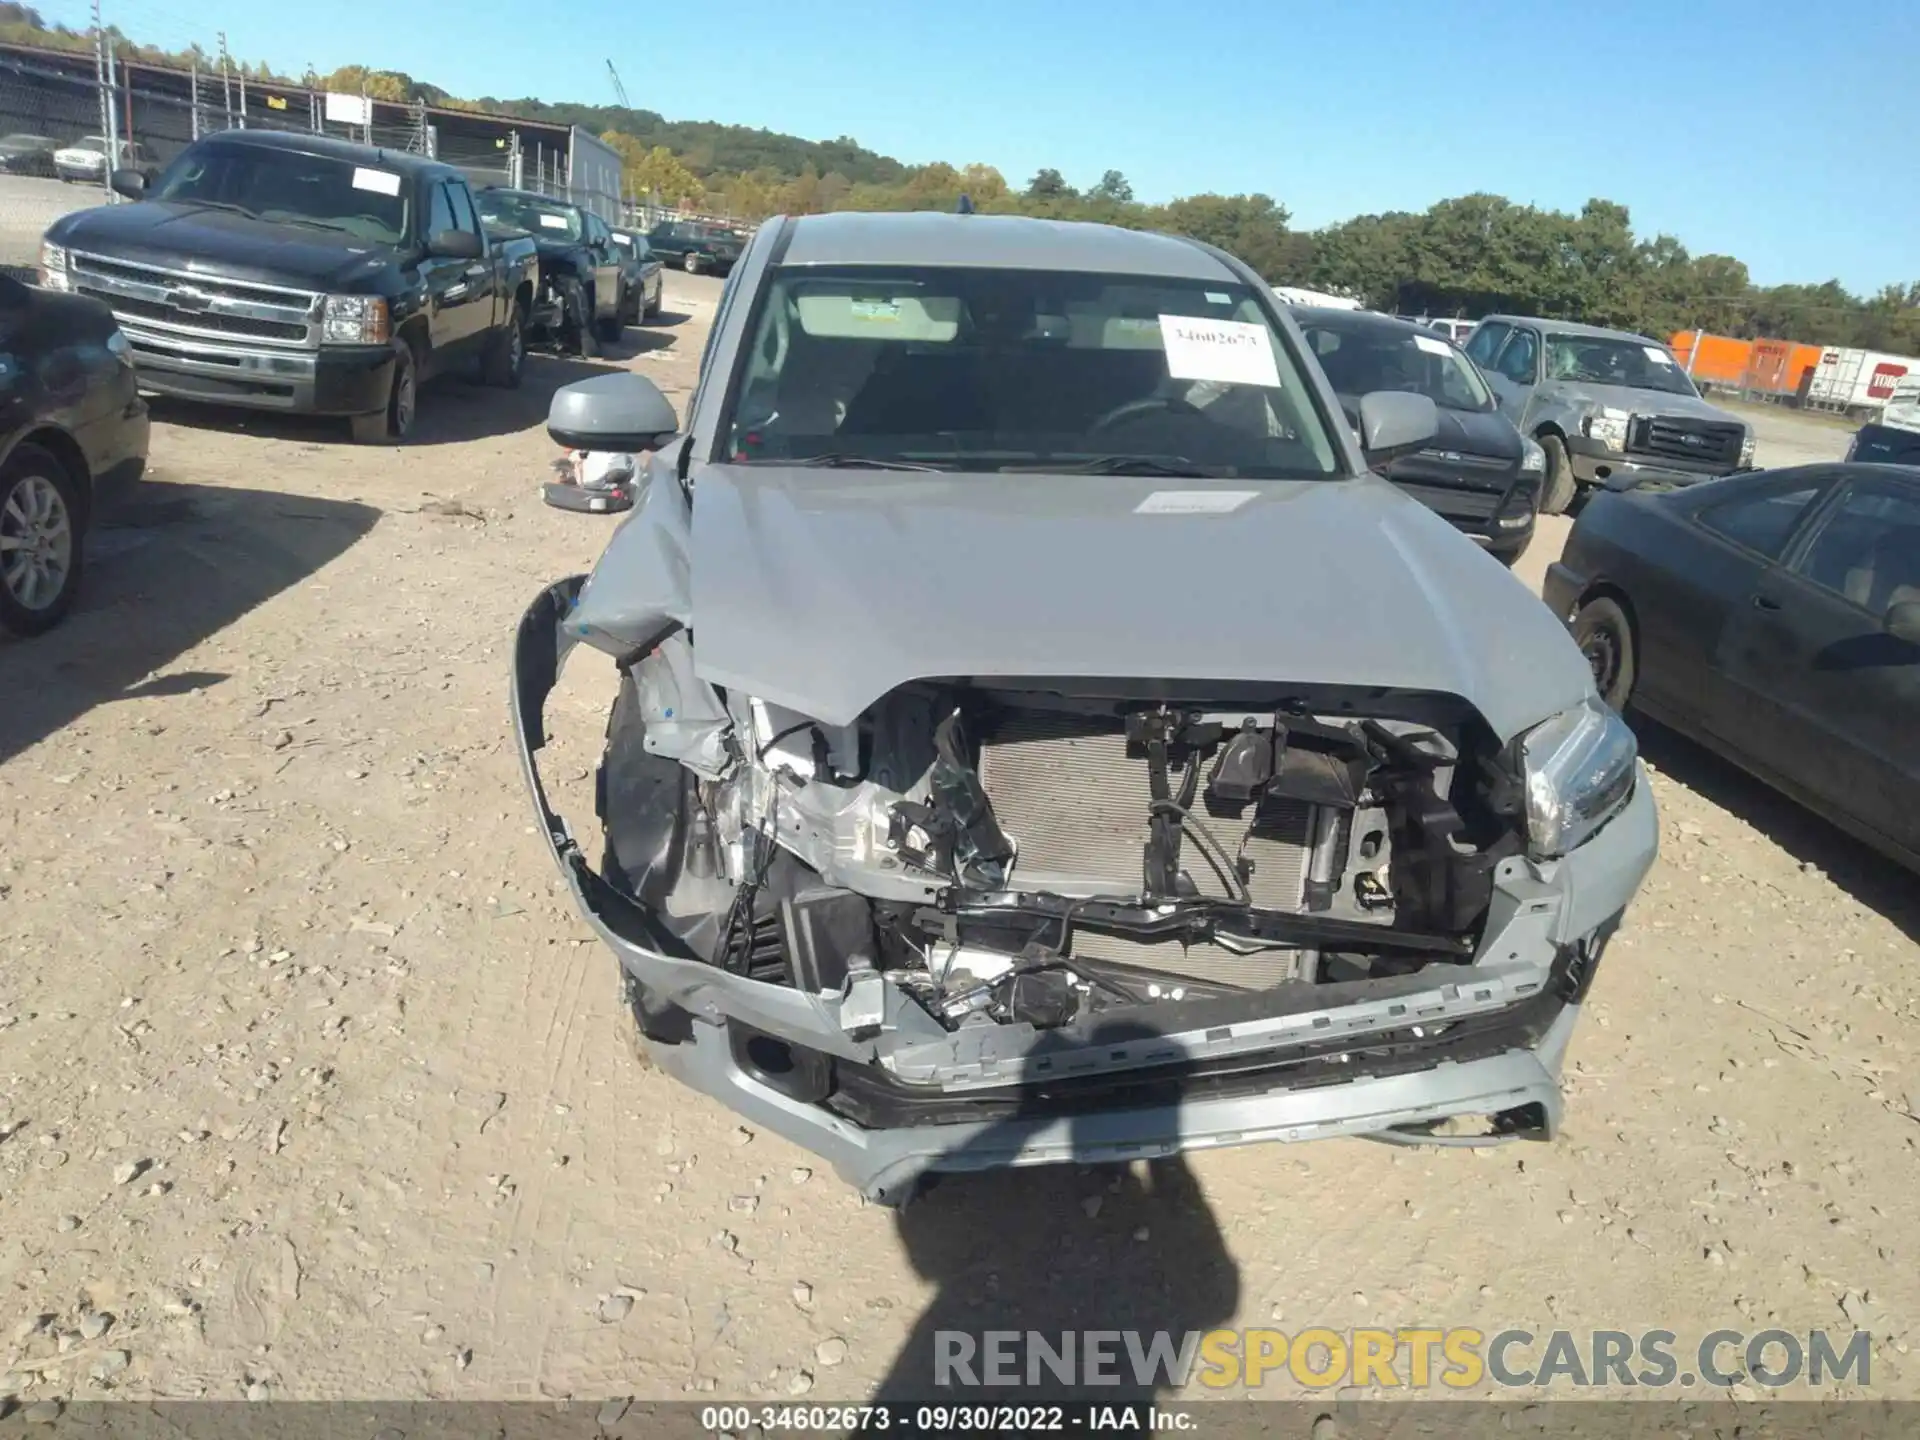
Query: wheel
column 40, row 541
column 1560, row 487
column 1605, row 636
column 395, row 423
column 631, row 304
column 610, row 330
column 579, row 334
column 691, row 263
column 506, row 357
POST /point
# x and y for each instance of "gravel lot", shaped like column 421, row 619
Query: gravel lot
column 311, row 1083
column 28, row 205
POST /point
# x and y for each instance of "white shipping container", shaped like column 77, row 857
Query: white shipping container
column 1857, row 380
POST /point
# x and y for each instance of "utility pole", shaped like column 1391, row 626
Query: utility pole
column 226, row 85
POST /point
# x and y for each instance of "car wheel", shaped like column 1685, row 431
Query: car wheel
column 40, row 541
column 507, row 354
column 609, row 330
column 1605, row 636
column 1560, row 488
column 395, row 423
column 692, row 263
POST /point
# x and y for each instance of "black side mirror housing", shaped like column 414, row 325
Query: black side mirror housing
column 130, row 183
column 1903, row 621
column 456, row 245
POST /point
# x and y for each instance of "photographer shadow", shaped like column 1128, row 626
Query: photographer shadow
column 1059, row 1251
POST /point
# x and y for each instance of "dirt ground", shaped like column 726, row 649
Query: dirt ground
column 312, row 1085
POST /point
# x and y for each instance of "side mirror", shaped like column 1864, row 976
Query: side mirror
column 130, row 183
column 1903, row 621
column 1394, row 423
column 617, row 412
column 456, row 245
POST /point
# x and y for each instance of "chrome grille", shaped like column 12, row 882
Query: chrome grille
column 1706, row 442
column 172, row 304
column 1077, row 807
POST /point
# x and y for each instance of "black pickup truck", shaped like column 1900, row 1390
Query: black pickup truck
column 301, row 273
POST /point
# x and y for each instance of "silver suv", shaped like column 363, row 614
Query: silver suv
column 1605, row 405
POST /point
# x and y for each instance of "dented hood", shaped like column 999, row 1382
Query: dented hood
column 821, row 590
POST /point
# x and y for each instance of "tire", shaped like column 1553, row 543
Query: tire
column 1605, row 636
column 1560, row 488
column 610, row 331
column 393, row 424
column 691, row 263
column 41, row 510
column 578, row 336
column 631, row 303
column 506, row 357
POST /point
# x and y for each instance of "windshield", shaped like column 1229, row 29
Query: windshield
column 1360, row 358
column 285, row 187
column 987, row 369
column 25, row 142
column 529, row 212
column 1632, row 363
column 93, row 143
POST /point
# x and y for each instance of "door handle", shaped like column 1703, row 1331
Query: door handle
column 1765, row 602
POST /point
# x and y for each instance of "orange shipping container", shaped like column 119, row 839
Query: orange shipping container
column 1721, row 360
column 1779, row 366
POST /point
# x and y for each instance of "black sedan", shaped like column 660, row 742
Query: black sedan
column 71, row 423
column 645, row 276
column 1775, row 618
column 27, row 154
column 1479, row 472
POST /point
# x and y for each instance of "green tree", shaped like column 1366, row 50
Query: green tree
column 1113, row 187
column 1048, row 184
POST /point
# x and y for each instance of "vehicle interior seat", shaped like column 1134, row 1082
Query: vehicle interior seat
column 917, row 393
column 1887, row 573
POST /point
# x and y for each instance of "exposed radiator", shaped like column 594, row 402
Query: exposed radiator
column 1077, row 809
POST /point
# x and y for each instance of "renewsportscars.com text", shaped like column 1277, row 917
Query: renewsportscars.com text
column 1408, row 1358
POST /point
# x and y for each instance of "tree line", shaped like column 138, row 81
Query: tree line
column 1465, row 256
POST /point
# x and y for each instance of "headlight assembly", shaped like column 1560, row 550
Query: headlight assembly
column 1609, row 427
column 356, row 320
column 53, row 268
column 1533, row 460
column 1746, row 452
column 1578, row 770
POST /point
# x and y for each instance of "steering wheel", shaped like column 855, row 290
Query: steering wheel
column 1147, row 405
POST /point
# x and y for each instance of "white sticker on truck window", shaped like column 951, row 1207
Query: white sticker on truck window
column 1432, row 346
column 1233, row 352
column 553, row 222
column 1657, row 355
column 380, row 182
column 1194, row 502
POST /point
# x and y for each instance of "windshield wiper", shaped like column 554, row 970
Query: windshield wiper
column 1177, row 465
column 842, row 461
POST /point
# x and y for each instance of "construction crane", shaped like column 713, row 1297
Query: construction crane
column 619, row 89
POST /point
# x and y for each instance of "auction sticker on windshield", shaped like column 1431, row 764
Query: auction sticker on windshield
column 1657, row 356
column 1231, row 351
column 553, row 222
column 380, row 182
column 1431, row 346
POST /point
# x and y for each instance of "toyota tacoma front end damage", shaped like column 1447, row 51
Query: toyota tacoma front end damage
column 963, row 809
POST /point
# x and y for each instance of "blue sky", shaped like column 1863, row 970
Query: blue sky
column 1777, row 132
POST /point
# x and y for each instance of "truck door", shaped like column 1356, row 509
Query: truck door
column 459, row 303
column 1515, row 373
column 608, row 270
column 1830, row 695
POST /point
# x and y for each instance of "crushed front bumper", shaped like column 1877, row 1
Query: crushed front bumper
column 1293, row 1072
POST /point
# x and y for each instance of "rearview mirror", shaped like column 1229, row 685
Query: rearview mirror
column 1394, row 423
column 1903, row 621
column 130, row 183
column 456, row 245
column 618, row 412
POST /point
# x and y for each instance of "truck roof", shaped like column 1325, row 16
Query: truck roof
column 304, row 143
column 994, row 241
column 1568, row 327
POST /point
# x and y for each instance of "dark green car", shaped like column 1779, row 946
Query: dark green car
column 695, row 246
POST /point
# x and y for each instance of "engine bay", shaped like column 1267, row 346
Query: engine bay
column 1028, row 854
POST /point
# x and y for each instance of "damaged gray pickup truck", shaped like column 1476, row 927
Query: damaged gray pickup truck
column 1041, row 738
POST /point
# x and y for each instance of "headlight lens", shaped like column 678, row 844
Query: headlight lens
column 1533, row 460
column 1579, row 770
column 118, row 344
column 53, row 267
column 1746, row 452
column 356, row 320
column 1609, row 427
